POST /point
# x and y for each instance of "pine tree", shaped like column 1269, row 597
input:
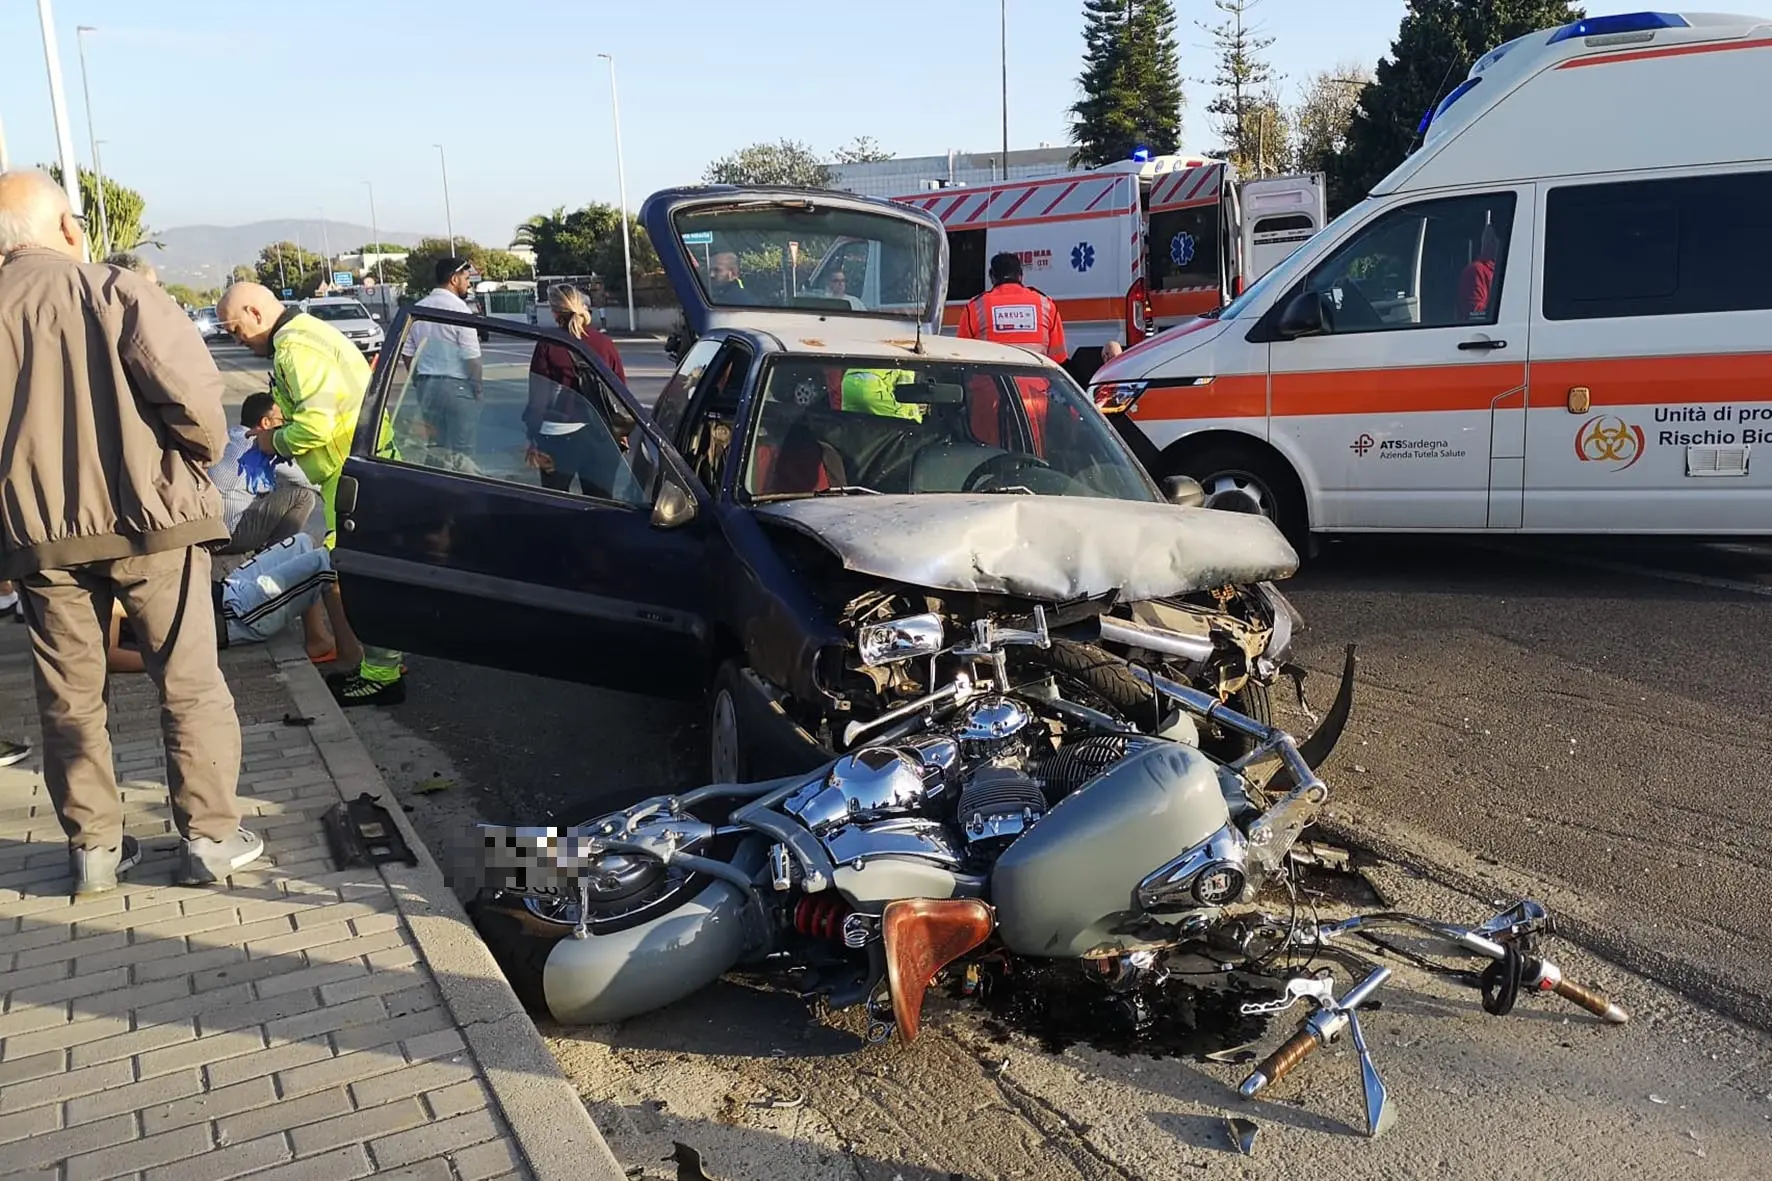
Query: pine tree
column 1436, row 45
column 1247, row 116
column 1131, row 82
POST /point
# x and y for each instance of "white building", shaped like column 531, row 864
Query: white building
column 908, row 174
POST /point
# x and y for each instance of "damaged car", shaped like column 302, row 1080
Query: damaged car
column 826, row 500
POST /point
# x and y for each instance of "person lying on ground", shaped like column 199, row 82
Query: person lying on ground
column 254, row 603
column 265, row 498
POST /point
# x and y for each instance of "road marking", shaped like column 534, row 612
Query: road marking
column 1705, row 580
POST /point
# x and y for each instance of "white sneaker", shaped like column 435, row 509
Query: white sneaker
column 203, row 861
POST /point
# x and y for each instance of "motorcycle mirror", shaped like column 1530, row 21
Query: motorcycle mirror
column 1184, row 491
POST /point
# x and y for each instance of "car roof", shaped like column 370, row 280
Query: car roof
column 335, row 299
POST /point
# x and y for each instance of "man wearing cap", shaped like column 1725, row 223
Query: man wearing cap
column 444, row 360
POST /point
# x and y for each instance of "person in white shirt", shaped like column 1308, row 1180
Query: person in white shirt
column 444, row 360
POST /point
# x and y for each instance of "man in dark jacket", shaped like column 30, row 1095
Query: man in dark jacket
column 112, row 410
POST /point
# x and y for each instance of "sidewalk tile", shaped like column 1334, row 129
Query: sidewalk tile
column 450, row 1135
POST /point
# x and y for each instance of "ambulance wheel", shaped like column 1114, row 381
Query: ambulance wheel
column 1241, row 478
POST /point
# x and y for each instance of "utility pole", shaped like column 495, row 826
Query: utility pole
column 282, row 279
column 375, row 231
column 59, row 104
column 621, row 175
column 448, row 217
column 1003, row 32
column 104, row 222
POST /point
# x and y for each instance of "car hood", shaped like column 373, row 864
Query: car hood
column 1050, row 548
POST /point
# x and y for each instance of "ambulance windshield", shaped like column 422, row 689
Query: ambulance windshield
column 1254, row 300
column 774, row 255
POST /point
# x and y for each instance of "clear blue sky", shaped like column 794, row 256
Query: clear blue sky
column 191, row 100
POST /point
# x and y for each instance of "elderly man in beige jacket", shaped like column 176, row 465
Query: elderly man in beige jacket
column 113, row 411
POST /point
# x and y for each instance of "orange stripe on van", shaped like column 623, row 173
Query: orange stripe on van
column 1228, row 397
column 1184, row 303
column 1637, row 55
column 1658, row 381
column 1395, row 391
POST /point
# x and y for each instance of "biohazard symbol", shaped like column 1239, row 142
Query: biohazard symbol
column 1605, row 439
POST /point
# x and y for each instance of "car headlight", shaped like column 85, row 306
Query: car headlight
column 898, row 640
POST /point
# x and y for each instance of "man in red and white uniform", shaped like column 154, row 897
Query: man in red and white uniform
column 1013, row 313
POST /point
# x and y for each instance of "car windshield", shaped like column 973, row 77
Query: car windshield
column 338, row 311
column 769, row 255
column 210, row 312
column 864, row 424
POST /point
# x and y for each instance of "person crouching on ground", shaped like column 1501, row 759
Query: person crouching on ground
column 264, row 499
column 318, row 380
column 255, row 602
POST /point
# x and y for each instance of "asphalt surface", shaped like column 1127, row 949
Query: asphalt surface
column 1585, row 721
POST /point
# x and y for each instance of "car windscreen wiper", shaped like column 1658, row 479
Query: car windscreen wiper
column 837, row 490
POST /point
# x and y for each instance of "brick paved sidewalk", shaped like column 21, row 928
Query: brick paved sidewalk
column 301, row 1023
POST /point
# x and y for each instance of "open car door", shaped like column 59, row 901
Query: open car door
column 507, row 503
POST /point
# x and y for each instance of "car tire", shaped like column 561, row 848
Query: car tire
column 1243, row 478
column 726, row 755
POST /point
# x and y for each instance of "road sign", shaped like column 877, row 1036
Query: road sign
column 288, row 292
column 342, row 279
column 702, row 238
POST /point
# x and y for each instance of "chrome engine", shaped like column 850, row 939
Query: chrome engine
column 957, row 795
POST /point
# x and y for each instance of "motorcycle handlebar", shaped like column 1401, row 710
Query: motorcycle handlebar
column 1279, row 1064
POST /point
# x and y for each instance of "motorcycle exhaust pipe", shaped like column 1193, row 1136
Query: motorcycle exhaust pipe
column 1193, row 649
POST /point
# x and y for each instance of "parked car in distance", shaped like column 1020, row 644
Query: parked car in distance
column 350, row 317
column 208, row 326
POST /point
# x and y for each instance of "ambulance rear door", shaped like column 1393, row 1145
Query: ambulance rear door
column 1277, row 215
column 1185, row 256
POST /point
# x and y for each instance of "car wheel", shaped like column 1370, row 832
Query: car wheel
column 1242, row 479
column 726, row 761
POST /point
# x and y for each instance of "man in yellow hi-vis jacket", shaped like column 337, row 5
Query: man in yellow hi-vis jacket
column 318, row 380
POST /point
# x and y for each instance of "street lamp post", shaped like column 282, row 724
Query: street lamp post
column 59, row 105
column 621, row 174
column 1003, row 31
column 104, row 222
column 375, row 232
column 448, row 217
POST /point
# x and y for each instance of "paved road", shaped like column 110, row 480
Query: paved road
column 1591, row 719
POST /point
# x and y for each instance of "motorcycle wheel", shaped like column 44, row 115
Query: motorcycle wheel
column 1110, row 679
column 520, row 943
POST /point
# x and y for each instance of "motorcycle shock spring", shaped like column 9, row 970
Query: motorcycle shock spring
column 820, row 917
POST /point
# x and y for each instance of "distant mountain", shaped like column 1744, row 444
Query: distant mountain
column 202, row 256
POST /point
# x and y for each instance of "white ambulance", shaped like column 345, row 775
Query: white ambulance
column 1142, row 242
column 1555, row 316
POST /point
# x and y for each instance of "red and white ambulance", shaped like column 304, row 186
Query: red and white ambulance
column 1126, row 247
column 1555, row 316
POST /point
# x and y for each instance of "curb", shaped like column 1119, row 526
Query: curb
column 548, row 1120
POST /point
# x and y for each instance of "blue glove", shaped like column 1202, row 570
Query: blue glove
column 256, row 466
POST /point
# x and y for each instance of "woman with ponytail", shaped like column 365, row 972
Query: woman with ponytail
column 575, row 425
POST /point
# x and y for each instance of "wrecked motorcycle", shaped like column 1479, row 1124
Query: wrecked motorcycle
column 996, row 822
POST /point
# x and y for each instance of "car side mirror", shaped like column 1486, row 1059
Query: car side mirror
column 1303, row 316
column 675, row 504
column 1184, row 491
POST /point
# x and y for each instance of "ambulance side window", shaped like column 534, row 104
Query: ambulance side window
column 1434, row 264
column 1686, row 246
column 966, row 264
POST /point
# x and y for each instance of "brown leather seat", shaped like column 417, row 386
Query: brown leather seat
column 923, row 936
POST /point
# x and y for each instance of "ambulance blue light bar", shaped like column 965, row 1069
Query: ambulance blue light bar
column 1624, row 22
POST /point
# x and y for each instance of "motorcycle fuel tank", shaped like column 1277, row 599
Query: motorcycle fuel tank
column 1066, row 889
